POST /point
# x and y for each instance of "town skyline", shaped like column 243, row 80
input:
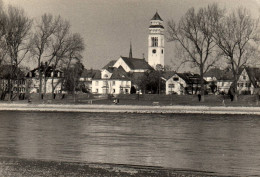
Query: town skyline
column 108, row 27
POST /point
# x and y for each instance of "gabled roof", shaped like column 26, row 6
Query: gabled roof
column 136, row 63
column 190, row 78
column 97, row 75
column 223, row 75
column 49, row 70
column 168, row 74
column 119, row 74
column 110, row 64
column 157, row 17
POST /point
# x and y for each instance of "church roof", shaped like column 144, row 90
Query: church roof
column 136, row 63
column 110, row 64
column 157, row 17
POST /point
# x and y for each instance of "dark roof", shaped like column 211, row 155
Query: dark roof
column 157, row 17
column 168, row 74
column 136, row 63
column 190, row 78
column 97, row 75
column 49, row 70
column 119, row 74
column 224, row 75
column 110, row 64
column 89, row 73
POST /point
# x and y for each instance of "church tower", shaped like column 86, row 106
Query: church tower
column 156, row 42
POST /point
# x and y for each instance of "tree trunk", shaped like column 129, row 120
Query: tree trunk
column 40, row 79
column 202, row 90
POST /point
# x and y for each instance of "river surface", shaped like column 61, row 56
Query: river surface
column 225, row 144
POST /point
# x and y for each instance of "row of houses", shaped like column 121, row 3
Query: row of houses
column 122, row 75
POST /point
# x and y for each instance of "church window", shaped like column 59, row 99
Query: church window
column 154, row 50
column 154, row 41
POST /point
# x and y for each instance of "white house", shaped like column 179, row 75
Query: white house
column 182, row 83
column 34, row 81
column 111, row 81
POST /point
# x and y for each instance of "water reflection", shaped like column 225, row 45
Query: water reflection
column 224, row 144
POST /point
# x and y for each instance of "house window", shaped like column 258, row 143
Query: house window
column 171, row 86
column 244, row 77
column 176, row 79
column 249, row 84
column 114, row 90
column 97, row 90
column 154, row 41
column 126, row 90
column 114, row 83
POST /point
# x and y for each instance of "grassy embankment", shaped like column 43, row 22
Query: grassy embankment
column 148, row 99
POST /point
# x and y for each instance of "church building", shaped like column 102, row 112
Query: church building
column 119, row 75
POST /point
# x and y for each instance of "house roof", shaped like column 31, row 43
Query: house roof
column 168, row 74
column 136, row 63
column 157, row 17
column 49, row 70
column 224, row 75
column 117, row 74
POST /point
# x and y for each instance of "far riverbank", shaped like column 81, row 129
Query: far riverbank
column 174, row 109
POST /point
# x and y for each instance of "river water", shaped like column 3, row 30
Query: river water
column 225, row 144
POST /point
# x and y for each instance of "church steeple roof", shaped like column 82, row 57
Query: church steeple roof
column 130, row 52
column 156, row 17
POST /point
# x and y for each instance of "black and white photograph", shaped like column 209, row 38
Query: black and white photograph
column 129, row 88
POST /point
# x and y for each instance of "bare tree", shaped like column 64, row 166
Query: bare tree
column 193, row 35
column 16, row 38
column 41, row 41
column 235, row 34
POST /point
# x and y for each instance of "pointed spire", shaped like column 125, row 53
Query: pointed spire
column 156, row 16
column 130, row 52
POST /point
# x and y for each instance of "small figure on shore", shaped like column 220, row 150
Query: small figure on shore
column 231, row 97
column 199, row 97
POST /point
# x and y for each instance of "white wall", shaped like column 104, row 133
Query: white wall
column 35, row 85
column 113, row 86
column 178, row 86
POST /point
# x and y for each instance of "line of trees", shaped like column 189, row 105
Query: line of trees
column 46, row 40
column 205, row 36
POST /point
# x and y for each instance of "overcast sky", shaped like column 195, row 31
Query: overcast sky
column 108, row 26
